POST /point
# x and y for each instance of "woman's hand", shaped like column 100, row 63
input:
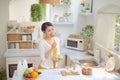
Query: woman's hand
column 54, row 45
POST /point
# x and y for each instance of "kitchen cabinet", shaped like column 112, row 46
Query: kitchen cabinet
column 71, row 55
column 19, row 40
column 20, row 36
column 13, row 56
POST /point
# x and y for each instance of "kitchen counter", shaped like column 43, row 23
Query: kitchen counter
column 72, row 54
column 21, row 53
column 13, row 56
column 75, row 54
column 97, row 74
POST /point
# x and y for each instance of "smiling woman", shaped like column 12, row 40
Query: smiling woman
column 48, row 46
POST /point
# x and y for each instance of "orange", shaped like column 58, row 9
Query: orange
column 34, row 74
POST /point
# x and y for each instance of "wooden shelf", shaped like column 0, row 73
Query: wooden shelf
column 63, row 24
column 19, row 40
column 86, row 13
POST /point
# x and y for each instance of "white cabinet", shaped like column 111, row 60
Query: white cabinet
column 14, row 55
column 20, row 45
column 11, row 64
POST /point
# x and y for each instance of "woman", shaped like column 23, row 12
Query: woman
column 48, row 46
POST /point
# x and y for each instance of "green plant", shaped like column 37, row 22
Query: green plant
column 3, row 74
column 66, row 1
column 38, row 12
column 117, row 31
column 17, row 28
column 87, row 7
column 87, row 31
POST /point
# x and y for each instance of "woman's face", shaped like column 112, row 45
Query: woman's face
column 49, row 31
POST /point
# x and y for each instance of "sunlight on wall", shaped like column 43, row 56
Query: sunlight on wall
column 20, row 9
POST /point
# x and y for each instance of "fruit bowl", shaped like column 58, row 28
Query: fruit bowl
column 57, row 57
column 29, row 78
column 31, row 73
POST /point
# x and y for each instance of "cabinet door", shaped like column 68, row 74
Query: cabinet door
column 13, row 67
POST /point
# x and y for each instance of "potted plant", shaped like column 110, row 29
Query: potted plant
column 3, row 74
column 87, row 33
column 38, row 12
column 117, row 34
column 66, row 1
column 87, row 7
column 17, row 29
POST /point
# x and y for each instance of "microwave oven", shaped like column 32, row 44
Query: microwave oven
column 73, row 43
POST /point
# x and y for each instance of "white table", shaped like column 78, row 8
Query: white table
column 97, row 74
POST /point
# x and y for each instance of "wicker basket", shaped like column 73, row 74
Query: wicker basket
column 13, row 37
column 25, row 45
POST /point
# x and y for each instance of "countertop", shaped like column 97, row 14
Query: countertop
column 54, row 74
column 21, row 53
column 73, row 54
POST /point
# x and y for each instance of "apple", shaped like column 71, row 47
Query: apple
column 30, row 69
column 35, row 69
column 29, row 75
column 26, row 72
column 29, row 27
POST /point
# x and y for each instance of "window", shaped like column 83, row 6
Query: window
column 117, row 34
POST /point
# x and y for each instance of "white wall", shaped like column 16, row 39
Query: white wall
column 20, row 9
column 4, row 16
column 106, row 24
column 97, row 4
column 64, row 32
